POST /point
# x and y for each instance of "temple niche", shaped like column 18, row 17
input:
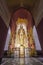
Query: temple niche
column 22, row 42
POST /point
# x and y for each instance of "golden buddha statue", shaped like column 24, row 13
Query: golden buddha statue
column 21, row 34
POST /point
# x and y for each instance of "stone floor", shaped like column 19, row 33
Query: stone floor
column 21, row 61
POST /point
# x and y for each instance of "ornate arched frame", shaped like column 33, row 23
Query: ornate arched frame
column 22, row 14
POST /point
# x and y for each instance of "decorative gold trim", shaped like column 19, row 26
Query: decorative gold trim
column 21, row 20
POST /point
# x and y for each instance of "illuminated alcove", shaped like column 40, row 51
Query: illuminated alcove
column 21, row 41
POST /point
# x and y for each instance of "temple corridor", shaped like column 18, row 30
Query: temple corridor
column 21, row 32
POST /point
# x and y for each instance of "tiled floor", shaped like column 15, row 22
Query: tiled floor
column 21, row 61
column 40, row 58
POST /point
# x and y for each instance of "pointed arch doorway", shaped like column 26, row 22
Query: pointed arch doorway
column 21, row 36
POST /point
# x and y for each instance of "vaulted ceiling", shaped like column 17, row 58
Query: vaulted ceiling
column 9, row 6
column 14, row 4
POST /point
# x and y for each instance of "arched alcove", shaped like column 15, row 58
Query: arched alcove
column 23, row 19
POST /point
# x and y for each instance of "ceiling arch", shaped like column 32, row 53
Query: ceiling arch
column 21, row 13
